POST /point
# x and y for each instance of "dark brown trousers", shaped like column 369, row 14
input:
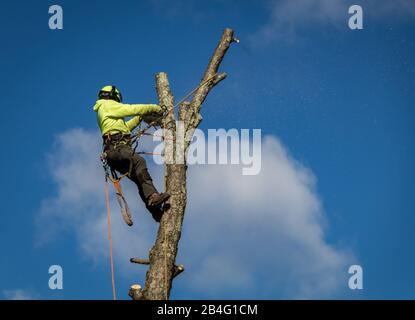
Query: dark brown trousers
column 122, row 158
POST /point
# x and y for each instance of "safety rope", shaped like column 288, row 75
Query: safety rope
column 114, row 295
column 165, row 265
column 135, row 137
column 125, row 211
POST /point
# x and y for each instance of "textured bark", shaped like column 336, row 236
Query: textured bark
column 162, row 267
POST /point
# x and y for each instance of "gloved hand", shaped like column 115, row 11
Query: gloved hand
column 160, row 113
column 163, row 109
column 155, row 117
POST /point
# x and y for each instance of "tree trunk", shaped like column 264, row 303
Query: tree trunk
column 162, row 267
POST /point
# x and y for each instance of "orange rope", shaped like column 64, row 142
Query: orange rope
column 110, row 239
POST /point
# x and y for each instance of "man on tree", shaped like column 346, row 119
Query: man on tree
column 116, row 134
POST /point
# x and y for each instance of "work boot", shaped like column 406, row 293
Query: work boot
column 156, row 199
column 156, row 212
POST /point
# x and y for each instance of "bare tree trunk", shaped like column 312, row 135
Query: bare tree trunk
column 163, row 269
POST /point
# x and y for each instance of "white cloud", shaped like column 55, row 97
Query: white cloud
column 18, row 294
column 269, row 226
column 260, row 235
column 79, row 204
column 287, row 17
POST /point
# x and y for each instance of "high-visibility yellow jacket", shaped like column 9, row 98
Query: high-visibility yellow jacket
column 111, row 114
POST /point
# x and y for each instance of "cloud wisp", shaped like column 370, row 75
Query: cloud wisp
column 18, row 294
column 288, row 19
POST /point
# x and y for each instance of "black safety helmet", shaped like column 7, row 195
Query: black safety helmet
column 110, row 92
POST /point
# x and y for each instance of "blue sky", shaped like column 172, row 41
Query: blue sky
column 340, row 102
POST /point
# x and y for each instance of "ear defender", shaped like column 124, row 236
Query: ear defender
column 115, row 95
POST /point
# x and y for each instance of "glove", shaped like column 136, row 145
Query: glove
column 162, row 111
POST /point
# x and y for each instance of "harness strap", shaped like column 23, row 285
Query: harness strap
column 116, row 139
column 125, row 210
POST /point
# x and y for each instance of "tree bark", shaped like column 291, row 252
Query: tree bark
column 162, row 257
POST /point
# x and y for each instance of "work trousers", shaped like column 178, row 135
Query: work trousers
column 122, row 158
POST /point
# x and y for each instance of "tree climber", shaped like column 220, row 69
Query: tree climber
column 116, row 134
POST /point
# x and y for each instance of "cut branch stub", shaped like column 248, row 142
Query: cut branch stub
column 136, row 292
column 178, row 269
column 140, row 261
